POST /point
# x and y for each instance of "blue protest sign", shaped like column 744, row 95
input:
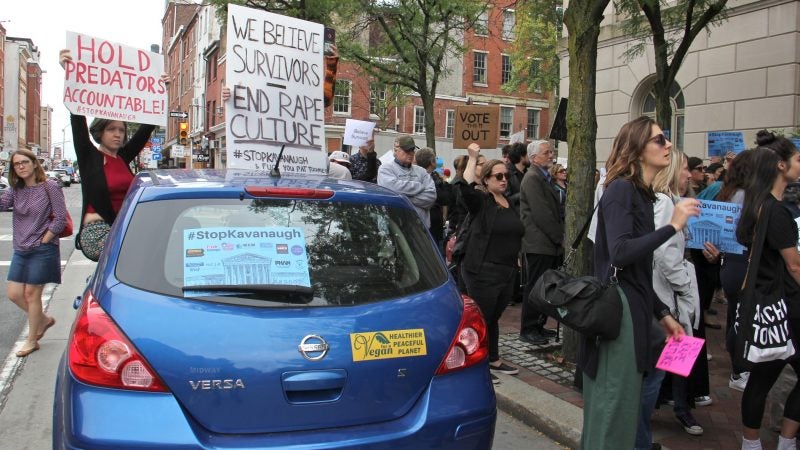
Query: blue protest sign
column 716, row 224
column 722, row 142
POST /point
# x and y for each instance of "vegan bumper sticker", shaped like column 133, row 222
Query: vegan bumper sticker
column 374, row 345
column 244, row 255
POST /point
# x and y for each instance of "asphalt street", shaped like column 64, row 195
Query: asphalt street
column 12, row 319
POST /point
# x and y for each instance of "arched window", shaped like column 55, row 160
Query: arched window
column 678, row 107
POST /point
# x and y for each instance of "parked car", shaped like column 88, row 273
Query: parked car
column 272, row 313
column 55, row 176
column 65, row 178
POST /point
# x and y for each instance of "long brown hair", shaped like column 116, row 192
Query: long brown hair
column 38, row 171
column 624, row 161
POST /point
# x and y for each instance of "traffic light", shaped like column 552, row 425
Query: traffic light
column 183, row 133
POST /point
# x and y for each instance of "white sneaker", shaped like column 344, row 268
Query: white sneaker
column 739, row 383
column 703, row 400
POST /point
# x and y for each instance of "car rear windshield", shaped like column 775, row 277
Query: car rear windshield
column 258, row 251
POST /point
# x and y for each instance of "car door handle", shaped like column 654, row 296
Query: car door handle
column 313, row 386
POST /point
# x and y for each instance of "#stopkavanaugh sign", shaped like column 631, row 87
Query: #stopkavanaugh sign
column 276, row 73
column 722, row 142
column 477, row 124
column 113, row 81
column 716, row 224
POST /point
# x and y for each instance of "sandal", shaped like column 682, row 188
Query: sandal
column 27, row 351
column 49, row 324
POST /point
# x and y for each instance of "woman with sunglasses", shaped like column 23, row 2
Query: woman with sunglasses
column 40, row 215
column 626, row 237
column 491, row 260
column 105, row 171
column 776, row 163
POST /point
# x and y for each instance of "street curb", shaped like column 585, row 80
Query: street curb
column 558, row 419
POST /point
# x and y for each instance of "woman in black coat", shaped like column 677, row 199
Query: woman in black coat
column 491, row 260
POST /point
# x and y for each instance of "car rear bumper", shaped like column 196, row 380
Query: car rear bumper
column 457, row 411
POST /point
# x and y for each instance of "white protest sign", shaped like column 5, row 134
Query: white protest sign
column 357, row 132
column 276, row 73
column 114, row 81
column 178, row 151
column 519, row 136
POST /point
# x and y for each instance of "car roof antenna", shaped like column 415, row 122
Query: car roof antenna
column 276, row 172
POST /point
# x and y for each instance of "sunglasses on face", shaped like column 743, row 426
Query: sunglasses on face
column 499, row 176
column 562, row 171
column 659, row 139
column 22, row 163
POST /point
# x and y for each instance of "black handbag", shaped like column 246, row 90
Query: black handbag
column 585, row 304
column 763, row 332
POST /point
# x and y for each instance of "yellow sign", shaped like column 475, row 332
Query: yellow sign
column 388, row 344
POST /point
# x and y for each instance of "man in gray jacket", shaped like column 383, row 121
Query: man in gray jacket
column 404, row 177
column 544, row 235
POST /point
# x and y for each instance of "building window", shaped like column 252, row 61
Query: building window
column 509, row 20
column 419, row 120
column 450, row 124
column 675, row 132
column 479, row 68
column 341, row 97
column 535, row 72
column 506, row 121
column 505, row 69
column 481, row 27
column 377, row 99
column 532, row 127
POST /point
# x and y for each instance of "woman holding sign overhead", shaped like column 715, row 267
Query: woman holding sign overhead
column 105, row 172
column 766, row 227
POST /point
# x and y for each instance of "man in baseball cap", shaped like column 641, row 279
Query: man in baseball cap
column 404, row 177
column 339, row 166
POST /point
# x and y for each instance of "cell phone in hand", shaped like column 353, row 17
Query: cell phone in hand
column 330, row 39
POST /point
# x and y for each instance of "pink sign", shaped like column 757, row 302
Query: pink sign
column 679, row 356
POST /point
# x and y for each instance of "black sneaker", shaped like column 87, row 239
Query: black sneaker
column 495, row 380
column 504, row 368
column 689, row 423
column 534, row 338
column 546, row 332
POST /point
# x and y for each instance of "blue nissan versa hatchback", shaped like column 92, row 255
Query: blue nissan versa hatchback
column 234, row 310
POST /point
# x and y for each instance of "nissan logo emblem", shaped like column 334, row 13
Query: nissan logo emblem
column 313, row 347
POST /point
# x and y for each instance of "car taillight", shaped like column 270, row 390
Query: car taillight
column 470, row 344
column 101, row 355
column 284, row 192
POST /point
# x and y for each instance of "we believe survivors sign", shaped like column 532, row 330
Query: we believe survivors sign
column 113, row 81
column 276, row 74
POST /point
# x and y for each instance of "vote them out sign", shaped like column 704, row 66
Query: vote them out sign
column 479, row 124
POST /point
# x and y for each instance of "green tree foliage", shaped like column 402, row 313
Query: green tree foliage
column 406, row 43
column 534, row 55
column 671, row 29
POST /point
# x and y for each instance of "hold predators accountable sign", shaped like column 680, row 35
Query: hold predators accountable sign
column 276, row 74
column 113, row 81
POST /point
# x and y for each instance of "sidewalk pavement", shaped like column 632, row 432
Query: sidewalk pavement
column 556, row 409
column 26, row 397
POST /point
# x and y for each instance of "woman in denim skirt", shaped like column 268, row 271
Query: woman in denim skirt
column 40, row 215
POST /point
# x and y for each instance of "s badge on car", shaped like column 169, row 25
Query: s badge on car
column 313, row 347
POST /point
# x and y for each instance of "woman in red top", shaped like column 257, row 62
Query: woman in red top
column 105, row 172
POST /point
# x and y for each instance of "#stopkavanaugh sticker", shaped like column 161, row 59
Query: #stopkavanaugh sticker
column 374, row 345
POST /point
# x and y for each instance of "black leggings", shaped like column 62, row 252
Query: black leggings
column 491, row 288
column 762, row 377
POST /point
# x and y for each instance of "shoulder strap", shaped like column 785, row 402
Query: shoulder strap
column 756, row 249
column 584, row 230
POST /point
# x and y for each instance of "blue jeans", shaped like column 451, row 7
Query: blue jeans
column 651, row 384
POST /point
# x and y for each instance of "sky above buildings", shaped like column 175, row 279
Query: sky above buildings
column 136, row 23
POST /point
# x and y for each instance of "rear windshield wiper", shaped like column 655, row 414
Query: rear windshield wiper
column 297, row 293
